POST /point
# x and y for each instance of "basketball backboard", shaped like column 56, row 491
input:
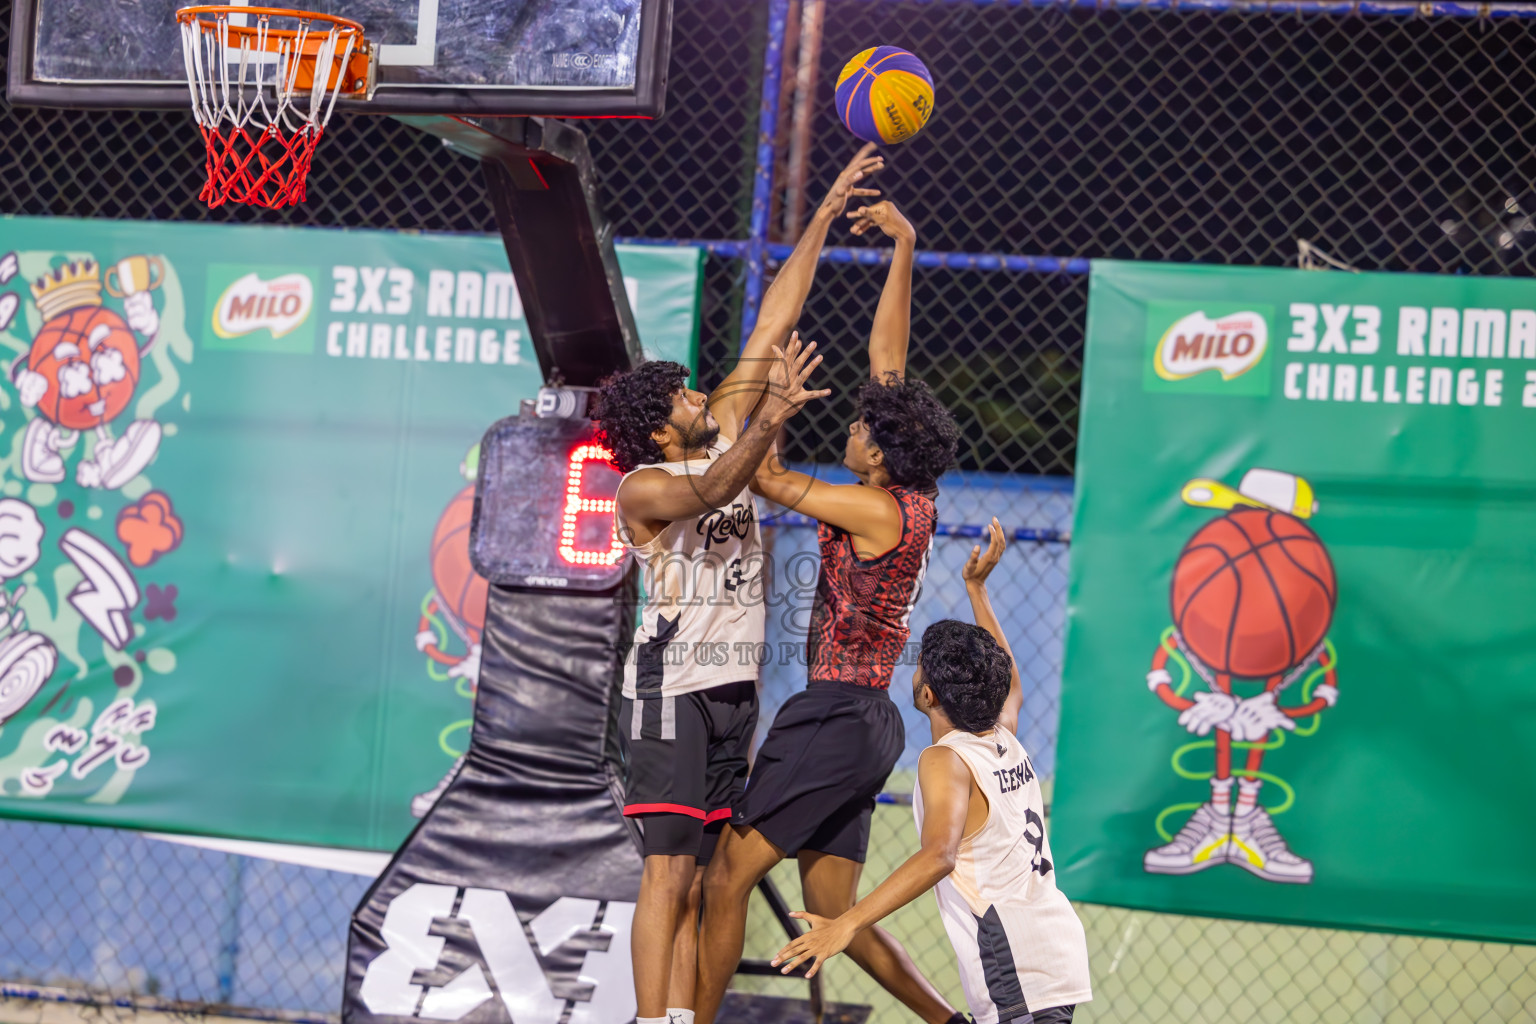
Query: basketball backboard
column 566, row 58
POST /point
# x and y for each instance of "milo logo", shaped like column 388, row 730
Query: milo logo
column 1231, row 346
column 251, row 304
column 1208, row 350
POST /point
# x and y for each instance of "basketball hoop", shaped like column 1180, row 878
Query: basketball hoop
column 262, row 96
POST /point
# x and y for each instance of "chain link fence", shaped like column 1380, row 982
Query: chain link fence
column 1218, row 133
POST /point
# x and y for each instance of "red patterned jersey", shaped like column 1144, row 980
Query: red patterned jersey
column 859, row 621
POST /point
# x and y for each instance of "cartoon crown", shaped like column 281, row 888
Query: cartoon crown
column 66, row 287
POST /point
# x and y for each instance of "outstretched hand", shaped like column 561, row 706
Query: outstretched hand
column 863, row 164
column 886, row 217
column 980, row 565
column 825, row 940
column 792, row 367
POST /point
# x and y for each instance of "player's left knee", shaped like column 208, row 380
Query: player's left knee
column 725, row 881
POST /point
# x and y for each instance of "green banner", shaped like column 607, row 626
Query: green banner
column 1301, row 660
column 238, row 470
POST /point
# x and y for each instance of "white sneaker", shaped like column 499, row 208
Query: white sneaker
column 1257, row 846
column 119, row 461
column 1201, row 843
column 421, row 803
column 40, row 459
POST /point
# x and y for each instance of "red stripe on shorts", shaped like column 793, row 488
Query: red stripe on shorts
column 692, row 812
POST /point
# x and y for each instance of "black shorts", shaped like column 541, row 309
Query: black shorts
column 827, row 756
column 685, row 761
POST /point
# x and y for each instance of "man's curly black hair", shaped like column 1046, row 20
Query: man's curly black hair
column 968, row 672
column 633, row 405
column 914, row 430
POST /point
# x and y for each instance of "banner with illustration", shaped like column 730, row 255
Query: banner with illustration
column 1301, row 658
column 236, row 476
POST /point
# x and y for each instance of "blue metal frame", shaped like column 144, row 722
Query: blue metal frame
column 762, row 182
column 758, row 252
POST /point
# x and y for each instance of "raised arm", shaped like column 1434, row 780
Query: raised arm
column 946, row 784
column 893, row 317
column 734, row 399
column 977, row 568
column 870, row 514
column 655, row 496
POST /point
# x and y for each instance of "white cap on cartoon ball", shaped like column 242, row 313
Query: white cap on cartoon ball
column 1284, row 492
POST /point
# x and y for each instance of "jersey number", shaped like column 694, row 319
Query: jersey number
column 1034, row 834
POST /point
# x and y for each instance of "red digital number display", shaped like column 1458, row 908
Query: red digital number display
column 589, row 476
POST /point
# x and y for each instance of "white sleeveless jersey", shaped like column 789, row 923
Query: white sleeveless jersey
column 702, row 623
column 1020, row 945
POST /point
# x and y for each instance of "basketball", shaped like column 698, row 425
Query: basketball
column 1253, row 593
column 461, row 589
column 884, row 94
column 91, row 362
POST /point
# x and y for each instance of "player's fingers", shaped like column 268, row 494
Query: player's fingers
column 865, row 192
column 864, row 151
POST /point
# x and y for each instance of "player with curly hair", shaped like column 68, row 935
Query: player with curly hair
column 684, row 510
column 812, row 790
column 981, row 817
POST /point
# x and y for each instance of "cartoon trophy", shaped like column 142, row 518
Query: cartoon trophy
column 83, row 370
column 1252, row 598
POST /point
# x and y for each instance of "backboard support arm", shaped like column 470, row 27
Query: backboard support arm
column 542, row 183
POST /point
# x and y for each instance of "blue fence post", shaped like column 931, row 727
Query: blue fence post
column 229, row 929
column 762, row 182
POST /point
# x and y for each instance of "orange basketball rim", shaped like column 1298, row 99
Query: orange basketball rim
column 264, row 82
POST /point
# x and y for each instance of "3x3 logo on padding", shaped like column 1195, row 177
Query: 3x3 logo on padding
column 504, row 958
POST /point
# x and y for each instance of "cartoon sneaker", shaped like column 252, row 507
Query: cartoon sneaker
column 1201, row 843
column 421, row 803
column 121, row 460
column 1257, row 846
column 40, row 459
column 27, row 660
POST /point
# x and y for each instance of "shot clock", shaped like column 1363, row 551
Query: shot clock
column 544, row 507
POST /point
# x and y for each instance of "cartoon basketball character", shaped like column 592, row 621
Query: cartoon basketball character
column 1252, row 598
column 83, row 370
column 458, row 592
column 456, row 604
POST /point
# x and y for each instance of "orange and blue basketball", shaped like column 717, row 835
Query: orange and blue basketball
column 884, row 94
